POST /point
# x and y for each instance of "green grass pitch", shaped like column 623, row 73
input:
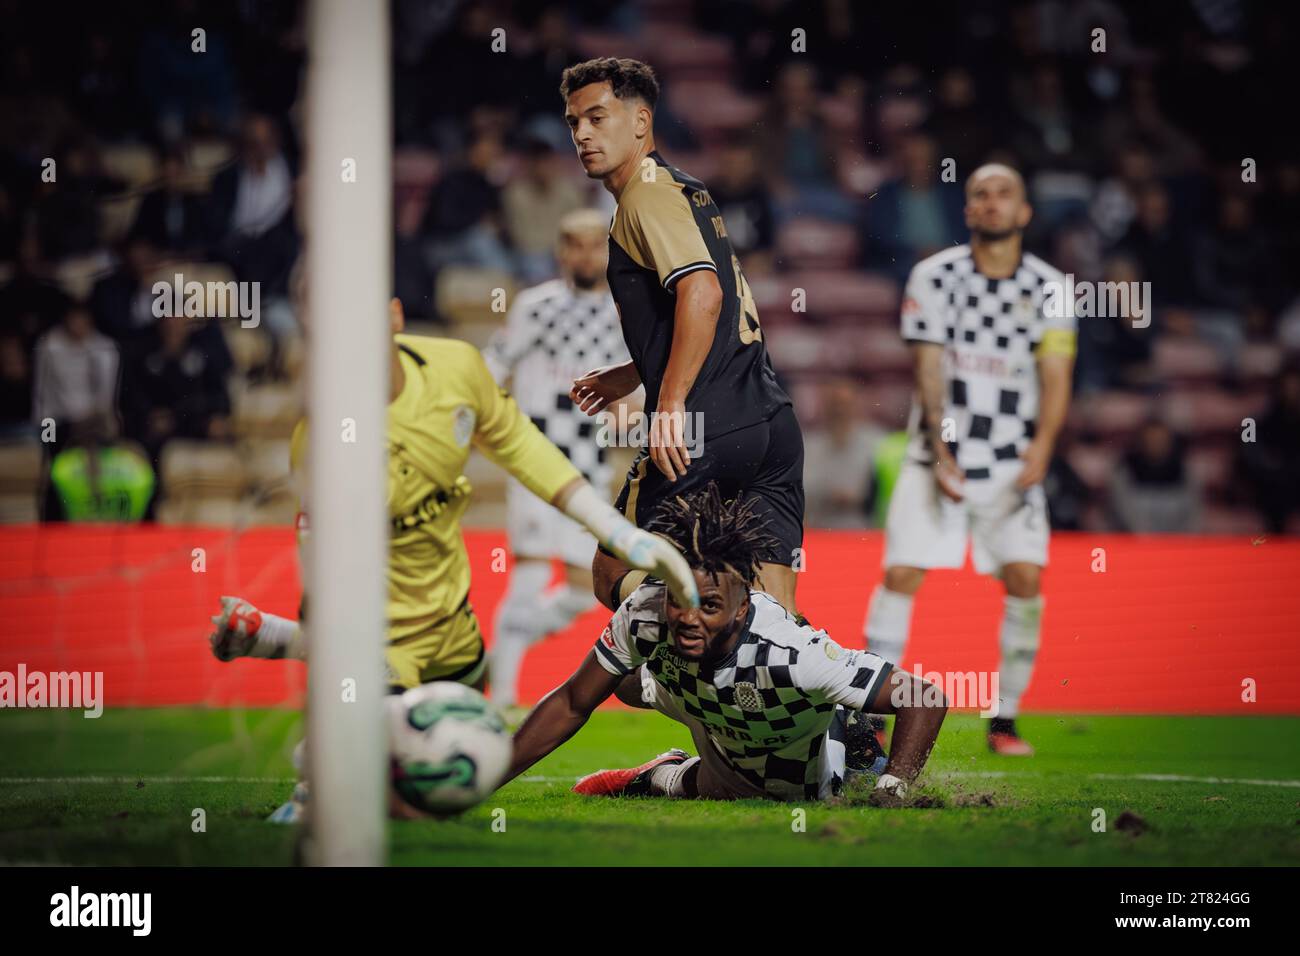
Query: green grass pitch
column 122, row 790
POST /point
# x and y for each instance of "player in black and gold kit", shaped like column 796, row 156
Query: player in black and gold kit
column 692, row 330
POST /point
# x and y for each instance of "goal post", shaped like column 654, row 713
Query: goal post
column 349, row 267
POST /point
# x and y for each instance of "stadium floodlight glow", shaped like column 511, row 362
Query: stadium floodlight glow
column 349, row 265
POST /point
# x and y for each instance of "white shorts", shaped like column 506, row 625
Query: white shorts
column 538, row 530
column 926, row 529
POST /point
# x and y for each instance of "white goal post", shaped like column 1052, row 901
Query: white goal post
column 348, row 226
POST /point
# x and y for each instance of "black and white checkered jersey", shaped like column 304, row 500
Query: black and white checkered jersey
column 990, row 329
column 553, row 334
column 765, row 708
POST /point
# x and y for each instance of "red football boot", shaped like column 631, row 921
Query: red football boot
column 631, row 782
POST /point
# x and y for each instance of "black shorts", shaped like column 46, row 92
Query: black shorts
column 762, row 463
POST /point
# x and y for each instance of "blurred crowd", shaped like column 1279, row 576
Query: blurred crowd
column 1162, row 156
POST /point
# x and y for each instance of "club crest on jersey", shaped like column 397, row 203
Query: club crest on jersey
column 748, row 697
column 832, row 650
column 463, row 425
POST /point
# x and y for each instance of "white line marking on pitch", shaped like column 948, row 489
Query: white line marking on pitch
column 75, row 780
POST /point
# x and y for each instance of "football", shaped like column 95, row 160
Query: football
column 448, row 745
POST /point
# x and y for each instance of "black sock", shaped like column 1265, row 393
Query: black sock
column 1002, row 725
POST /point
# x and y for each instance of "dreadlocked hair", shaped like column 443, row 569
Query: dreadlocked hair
column 714, row 535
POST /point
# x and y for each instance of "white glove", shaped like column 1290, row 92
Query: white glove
column 234, row 629
column 241, row 630
column 640, row 549
column 892, row 785
column 659, row 557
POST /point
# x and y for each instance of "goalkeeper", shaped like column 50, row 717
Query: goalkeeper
column 442, row 401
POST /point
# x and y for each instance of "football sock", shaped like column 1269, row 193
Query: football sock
column 1021, row 624
column 671, row 779
column 889, row 618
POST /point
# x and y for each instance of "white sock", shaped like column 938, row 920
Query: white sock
column 666, row 779
column 1021, row 627
column 889, row 619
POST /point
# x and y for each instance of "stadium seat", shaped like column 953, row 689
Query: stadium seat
column 1093, row 463
column 77, row 276
column 266, row 463
column 809, row 243
column 465, row 295
column 1260, row 361
column 266, row 411
column 133, row 163
column 207, row 157
column 708, row 107
column 198, row 469
column 250, row 349
column 843, row 292
column 21, row 468
column 1206, row 411
column 1211, row 466
column 1185, row 360
column 1217, row 519
column 1114, row 415
column 117, row 215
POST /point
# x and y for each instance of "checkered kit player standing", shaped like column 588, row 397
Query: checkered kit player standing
column 993, row 370
column 554, row 333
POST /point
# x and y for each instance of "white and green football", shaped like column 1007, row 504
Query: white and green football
column 449, row 747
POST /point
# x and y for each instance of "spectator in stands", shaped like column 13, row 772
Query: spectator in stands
column 1151, row 490
column 75, row 374
column 173, row 388
column 1114, row 352
column 30, row 305
column 171, row 216
column 15, row 388
column 968, row 131
column 67, row 210
column 913, row 215
column 1269, row 466
column 462, row 223
column 838, row 461
column 1162, row 247
column 533, row 203
column 746, row 205
column 122, row 301
column 797, row 146
column 250, row 210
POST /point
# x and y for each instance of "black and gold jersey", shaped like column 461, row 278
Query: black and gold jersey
column 668, row 226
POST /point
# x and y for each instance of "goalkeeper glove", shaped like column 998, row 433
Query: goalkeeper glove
column 639, row 549
column 241, row 630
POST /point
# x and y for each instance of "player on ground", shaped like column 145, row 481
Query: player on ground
column 443, row 401
column 771, row 704
column 553, row 332
column 993, row 370
column 691, row 327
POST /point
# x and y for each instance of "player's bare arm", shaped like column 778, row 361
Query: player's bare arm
column 699, row 302
column 1054, row 374
column 916, row 724
column 561, row 714
column 603, row 386
column 928, row 360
